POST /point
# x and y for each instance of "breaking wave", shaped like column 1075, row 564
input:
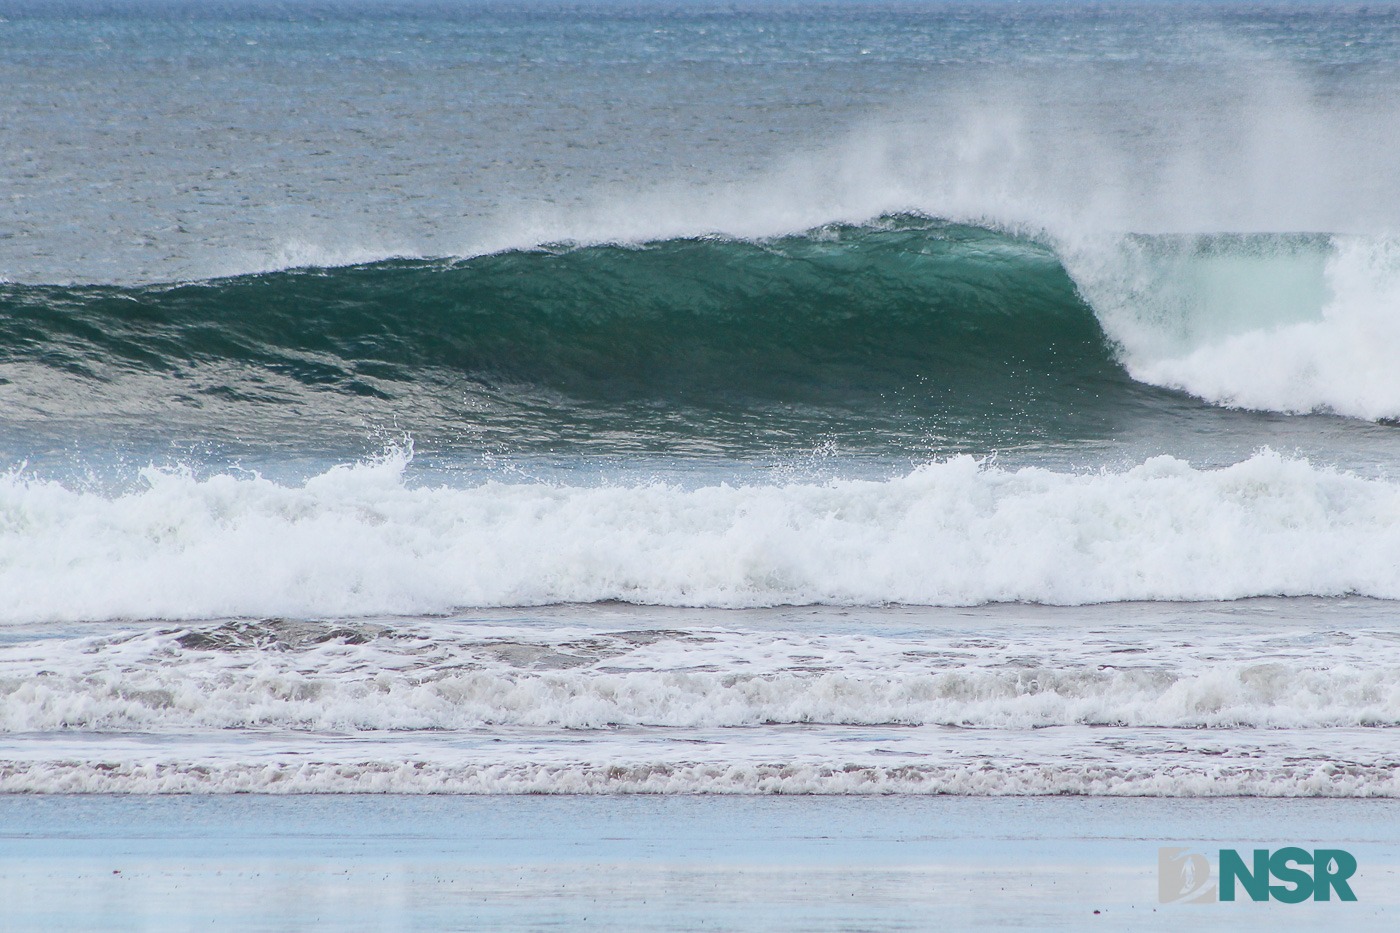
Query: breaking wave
column 904, row 316
column 359, row 540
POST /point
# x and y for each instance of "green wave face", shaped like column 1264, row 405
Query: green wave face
column 910, row 327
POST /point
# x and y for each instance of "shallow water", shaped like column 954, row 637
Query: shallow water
column 658, row 863
column 1270, row 697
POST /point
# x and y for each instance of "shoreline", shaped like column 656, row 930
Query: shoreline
column 659, row 862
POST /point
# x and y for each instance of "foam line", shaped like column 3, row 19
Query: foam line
column 357, row 540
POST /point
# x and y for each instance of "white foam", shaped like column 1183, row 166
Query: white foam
column 1267, row 324
column 763, row 758
column 1195, row 702
column 444, row 676
column 268, row 692
column 1123, row 778
column 358, row 540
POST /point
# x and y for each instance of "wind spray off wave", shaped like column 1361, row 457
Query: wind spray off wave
column 902, row 329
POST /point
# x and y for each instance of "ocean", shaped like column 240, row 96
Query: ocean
column 683, row 397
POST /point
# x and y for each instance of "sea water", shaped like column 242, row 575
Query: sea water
column 681, row 397
column 650, row 862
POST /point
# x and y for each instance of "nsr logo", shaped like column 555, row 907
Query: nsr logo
column 1185, row 876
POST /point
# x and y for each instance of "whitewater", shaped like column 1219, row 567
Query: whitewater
column 928, row 398
column 357, row 541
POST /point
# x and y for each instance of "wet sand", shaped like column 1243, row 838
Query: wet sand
column 389, row 862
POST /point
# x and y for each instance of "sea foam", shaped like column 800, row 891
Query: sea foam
column 366, row 692
column 1280, row 323
column 359, row 540
column 1123, row 779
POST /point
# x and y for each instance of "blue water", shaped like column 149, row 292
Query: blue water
column 655, row 863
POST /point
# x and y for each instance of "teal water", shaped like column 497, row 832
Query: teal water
column 901, row 340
